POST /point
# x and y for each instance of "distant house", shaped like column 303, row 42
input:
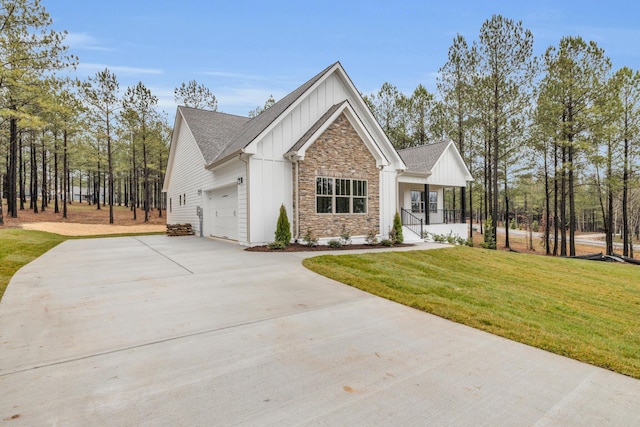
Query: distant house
column 318, row 151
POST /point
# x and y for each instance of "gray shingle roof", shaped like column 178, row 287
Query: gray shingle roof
column 258, row 124
column 212, row 130
column 423, row 157
column 317, row 125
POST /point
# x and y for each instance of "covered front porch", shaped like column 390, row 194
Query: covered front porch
column 423, row 210
column 433, row 169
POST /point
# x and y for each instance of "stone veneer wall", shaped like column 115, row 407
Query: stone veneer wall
column 337, row 153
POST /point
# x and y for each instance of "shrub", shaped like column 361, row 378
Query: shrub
column 277, row 245
column 451, row 239
column 283, row 229
column 392, row 235
column 309, row 239
column 386, row 242
column 535, row 226
column 372, row 238
column 489, row 236
column 333, row 243
column 397, row 226
column 513, row 224
column 345, row 236
column 439, row 238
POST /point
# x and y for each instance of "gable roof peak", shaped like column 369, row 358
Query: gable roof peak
column 255, row 126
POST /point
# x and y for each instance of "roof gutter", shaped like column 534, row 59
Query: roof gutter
column 218, row 162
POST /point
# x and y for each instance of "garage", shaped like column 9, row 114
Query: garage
column 223, row 212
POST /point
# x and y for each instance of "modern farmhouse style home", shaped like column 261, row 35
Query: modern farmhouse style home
column 318, row 151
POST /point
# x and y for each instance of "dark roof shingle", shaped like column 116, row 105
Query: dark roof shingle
column 423, row 157
column 212, row 130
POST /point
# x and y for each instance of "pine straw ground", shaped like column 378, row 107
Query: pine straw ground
column 84, row 220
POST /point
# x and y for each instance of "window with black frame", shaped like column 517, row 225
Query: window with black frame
column 341, row 195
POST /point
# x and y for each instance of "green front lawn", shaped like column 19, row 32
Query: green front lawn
column 20, row 247
column 586, row 310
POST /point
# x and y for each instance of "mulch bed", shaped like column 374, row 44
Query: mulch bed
column 298, row 247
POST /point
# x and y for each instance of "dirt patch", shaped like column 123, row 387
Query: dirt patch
column 76, row 229
column 85, row 220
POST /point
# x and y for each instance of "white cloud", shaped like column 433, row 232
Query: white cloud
column 91, row 68
column 84, row 41
column 241, row 100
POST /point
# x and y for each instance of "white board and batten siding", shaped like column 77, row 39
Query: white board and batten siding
column 270, row 173
column 448, row 171
column 188, row 175
column 388, row 194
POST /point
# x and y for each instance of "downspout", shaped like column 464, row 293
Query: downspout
column 398, row 194
column 248, row 196
column 297, row 201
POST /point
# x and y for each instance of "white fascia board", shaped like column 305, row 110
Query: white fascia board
column 356, row 97
column 252, row 147
column 172, row 150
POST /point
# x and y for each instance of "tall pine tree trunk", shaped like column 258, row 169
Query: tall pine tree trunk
column 626, row 232
column 45, row 199
column 65, row 173
column 572, row 204
column 563, row 204
column 12, row 196
column 547, row 196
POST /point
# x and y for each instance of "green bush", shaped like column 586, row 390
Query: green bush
column 333, row 243
column 345, row 236
column 535, row 226
column 309, row 239
column 372, row 238
column 283, row 229
column 439, row 238
column 397, row 227
column 277, row 245
column 386, row 242
column 451, row 239
column 489, row 236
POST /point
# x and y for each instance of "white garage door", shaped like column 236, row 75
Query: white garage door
column 224, row 212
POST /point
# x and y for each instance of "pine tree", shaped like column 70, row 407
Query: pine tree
column 283, row 229
column 397, row 228
column 195, row 95
column 31, row 53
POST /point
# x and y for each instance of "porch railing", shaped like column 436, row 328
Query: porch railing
column 440, row 216
column 411, row 221
column 445, row 216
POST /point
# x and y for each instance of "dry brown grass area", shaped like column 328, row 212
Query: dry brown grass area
column 85, row 220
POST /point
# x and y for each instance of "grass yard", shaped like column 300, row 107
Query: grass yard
column 19, row 247
column 589, row 311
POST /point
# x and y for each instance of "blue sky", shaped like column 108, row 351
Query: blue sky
column 245, row 51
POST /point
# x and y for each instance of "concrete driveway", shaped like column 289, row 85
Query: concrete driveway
column 195, row 332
